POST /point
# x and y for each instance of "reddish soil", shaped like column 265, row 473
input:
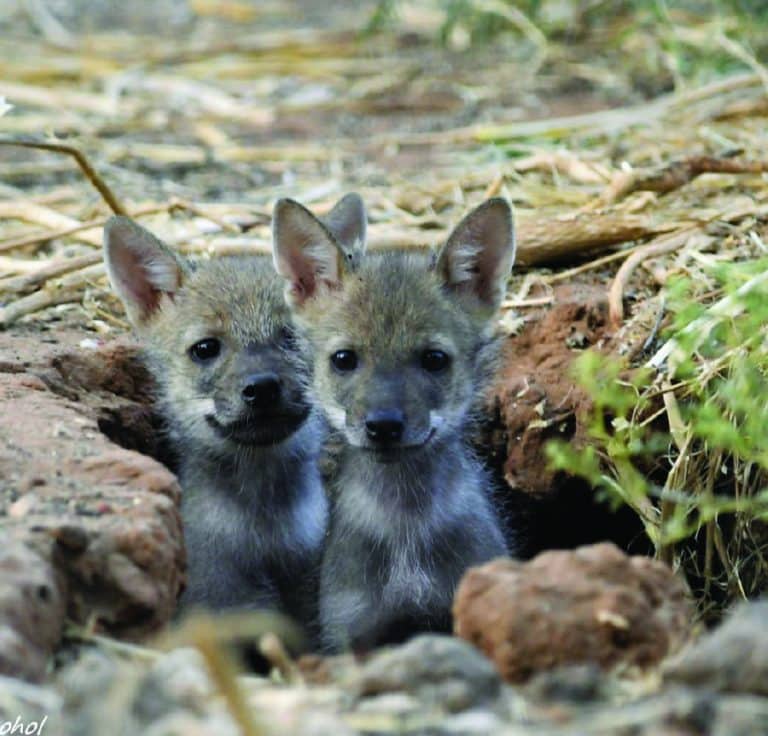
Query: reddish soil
column 90, row 528
column 535, row 399
column 535, row 395
column 593, row 605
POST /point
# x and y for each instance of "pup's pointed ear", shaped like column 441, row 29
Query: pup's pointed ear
column 478, row 257
column 305, row 252
column 348, row 222
column 141, row 268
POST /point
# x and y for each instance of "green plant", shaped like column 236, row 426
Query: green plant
column 683, row 439
column 687, row 39
column 481, row 20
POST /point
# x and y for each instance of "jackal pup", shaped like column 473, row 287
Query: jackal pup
column 232, row 378
column 402, row 346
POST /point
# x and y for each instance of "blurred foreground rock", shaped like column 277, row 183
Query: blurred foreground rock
column 90, row 529
column 432, row 685
column 444, row 672
column 732, row 658
column 593, row 604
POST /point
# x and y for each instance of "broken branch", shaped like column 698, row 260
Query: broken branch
column 82, row 161
column 675, row 175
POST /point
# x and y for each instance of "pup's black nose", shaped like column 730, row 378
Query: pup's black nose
column 385, row 426
column 261, row 390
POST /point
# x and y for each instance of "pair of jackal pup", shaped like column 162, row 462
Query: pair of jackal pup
column 259, row 359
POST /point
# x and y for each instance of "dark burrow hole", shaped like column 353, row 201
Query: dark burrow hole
column 569, row 516
column 119, row 390
column 139, row 428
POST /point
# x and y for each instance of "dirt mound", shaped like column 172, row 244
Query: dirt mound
column 534, row 400
column 98, row 523
column 593, row 605
column 535, row 396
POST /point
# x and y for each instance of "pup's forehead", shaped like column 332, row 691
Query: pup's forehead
column 393, row 304
column 241, row 296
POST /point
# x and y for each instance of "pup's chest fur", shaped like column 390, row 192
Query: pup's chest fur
column 254, row 522
column 258, row 515
column 418, row 526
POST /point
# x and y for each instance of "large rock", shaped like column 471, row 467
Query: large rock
column 31, row 610
column 90, row 529
column 593, row 604
column 441, row 670
column 732, row 658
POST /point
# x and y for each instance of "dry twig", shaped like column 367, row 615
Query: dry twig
column 82, row 161
column 675, row 175
column 559, row 239
column 658, row 247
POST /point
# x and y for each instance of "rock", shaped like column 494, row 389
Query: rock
column 176, row 681
column 102, row 693
column 732, row 658
column 440, row 670
column 740, row 715
column 23, row 704
column 676, row 712
column 90, row 529
column 85, row 687
column 32, row 607
column 593, row 604
column 577, row 683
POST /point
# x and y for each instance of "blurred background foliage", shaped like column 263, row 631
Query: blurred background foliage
column 663, row 44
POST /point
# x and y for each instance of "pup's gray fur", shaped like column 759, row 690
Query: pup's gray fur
column 411, row 514
column 253, row 506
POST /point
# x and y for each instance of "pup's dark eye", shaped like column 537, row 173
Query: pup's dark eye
column 344, row 360
column 435, row 361
column 205, row 350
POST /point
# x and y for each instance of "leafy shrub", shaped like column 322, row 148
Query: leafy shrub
column 683, row 438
